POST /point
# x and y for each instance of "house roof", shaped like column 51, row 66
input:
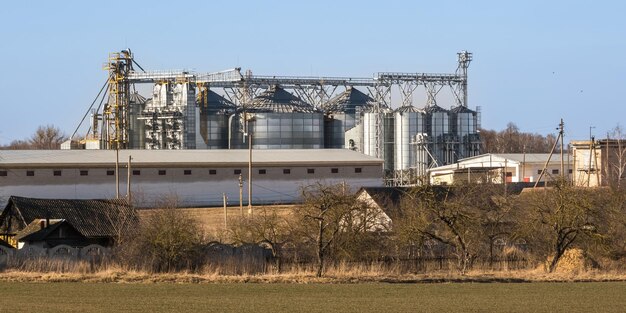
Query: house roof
column 491, row 159
column 34, row 232
column 92, row 218
column 387, row 198
column 179, row 158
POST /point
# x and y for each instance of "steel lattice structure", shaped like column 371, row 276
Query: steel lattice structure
column 242, row 88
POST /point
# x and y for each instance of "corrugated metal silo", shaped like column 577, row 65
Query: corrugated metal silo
column 370, row 134
column 438, row 130
column 279, row 120
column 213, row 115
column 409, row 122
column 136, row 133
column 464, row 124
column 342, row 114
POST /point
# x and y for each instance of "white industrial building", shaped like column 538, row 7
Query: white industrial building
column 194, row 177
column 516, row 167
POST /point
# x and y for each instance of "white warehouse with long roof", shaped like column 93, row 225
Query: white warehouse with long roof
column 516, row 167
column 194, row 177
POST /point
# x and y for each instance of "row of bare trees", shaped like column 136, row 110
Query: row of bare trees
column 467, row 220
column 512, row 140
column 46, row 137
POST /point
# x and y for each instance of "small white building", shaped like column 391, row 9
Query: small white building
column 194, row 177
column 516, row 167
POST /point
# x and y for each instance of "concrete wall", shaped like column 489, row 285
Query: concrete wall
column 198, row 188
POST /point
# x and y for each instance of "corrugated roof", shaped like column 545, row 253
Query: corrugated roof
column 277, row 99
column 461, row 109
column 434, row 108
column 347, row 101
column 215, row 102
column 135, row 97
column 410, row 109
column 92, row 218
column 235, row 157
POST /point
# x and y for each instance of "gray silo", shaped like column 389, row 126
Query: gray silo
column 464, row 127
column 212, row 126
column 440, row 143
column 370, row 134
column 279, row 120
column 136, row 133
column 343, row 113
column 409, row 122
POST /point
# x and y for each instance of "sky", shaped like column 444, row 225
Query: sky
column 535, row 62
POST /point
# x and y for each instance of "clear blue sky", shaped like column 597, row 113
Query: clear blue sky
column 534, row 61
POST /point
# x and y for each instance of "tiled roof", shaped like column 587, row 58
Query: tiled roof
column 92, row 218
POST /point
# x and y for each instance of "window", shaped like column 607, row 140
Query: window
column 84, row 172
column 30, row 173
column 262, row 172
column 286, row 171
column 334, row 170
column 310, row 171
column 555, row 171
column 56, row 173
column 3, row 173
column 212, row 172
column 509, row 174
column 539, row 172
column 110, row 172
column 357, row 170
column 187, row 172
column 569, row 171
column 162, row 172
column 237, row 172
column 136, row 172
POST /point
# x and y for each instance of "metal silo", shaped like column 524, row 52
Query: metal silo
column 438, row 130
column 214, row 112
column 370, row 133
column 136, row 133
column 409, row 121
column 278, row 120
column 342, row 114
column 463, row 125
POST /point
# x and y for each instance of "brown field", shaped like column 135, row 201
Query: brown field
column 211, row 219
column 371, row 297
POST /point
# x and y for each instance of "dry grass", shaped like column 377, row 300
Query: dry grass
column 341, row 273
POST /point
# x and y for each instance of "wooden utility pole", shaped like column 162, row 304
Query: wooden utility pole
column 545, row 166
column 561, row 126
column 128, row 192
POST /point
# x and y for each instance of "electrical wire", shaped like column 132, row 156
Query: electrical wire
column 106, row 83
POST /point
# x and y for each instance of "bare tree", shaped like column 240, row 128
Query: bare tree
column 459, row 216
column 265, row 227
column 321, row 216
column 169, row 239
column 557, row 218
column 616, row 163
column 512, row 140
column 47, row 137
